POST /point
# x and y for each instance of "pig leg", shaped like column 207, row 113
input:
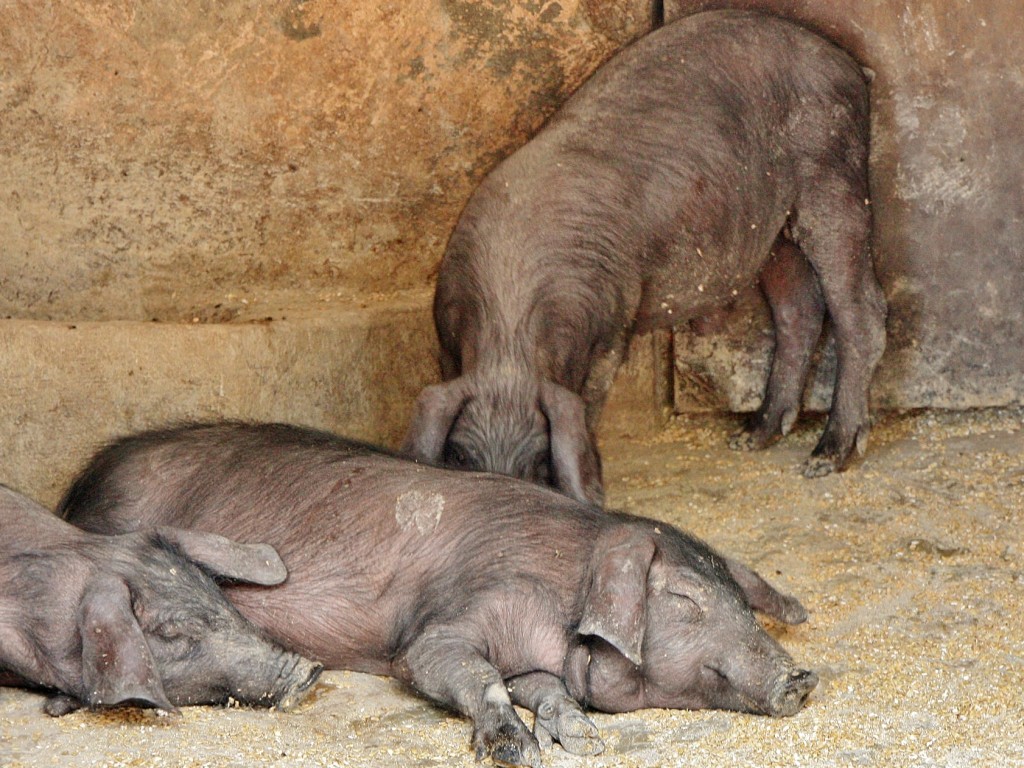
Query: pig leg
column 449, row 669
column 599, row 381
column 833, row 229
column 798, row 309
column 559, row 716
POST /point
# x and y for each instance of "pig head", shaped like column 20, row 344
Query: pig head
column 667, row 622
column 135, row 619
column 525, row 427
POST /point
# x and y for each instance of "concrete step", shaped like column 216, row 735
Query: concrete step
column 69, row 387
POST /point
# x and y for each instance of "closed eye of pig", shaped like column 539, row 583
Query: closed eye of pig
column 726, row 150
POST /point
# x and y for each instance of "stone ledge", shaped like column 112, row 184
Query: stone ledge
column 70, row 387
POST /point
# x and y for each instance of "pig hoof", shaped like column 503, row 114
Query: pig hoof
column 819, row 466
column 565, row 723
column 504, row 738
column 60, row 705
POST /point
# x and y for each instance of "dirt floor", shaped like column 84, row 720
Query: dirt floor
column 911, row 564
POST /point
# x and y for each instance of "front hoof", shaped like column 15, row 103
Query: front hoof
column 503, row 737
column 578, row 735
column 61, row 704
column 563, row 721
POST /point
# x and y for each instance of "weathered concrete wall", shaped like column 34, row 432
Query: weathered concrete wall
column 274, row 181
column 70, row 387
column 157, row 157
column 947, row 179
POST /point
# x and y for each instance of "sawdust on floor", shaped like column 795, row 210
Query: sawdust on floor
column 911, row 564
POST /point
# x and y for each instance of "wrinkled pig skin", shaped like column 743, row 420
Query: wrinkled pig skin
column 725, row 149
column 134, row 619
column 478, row 590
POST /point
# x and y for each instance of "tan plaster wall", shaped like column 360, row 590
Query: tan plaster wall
column 160, row 158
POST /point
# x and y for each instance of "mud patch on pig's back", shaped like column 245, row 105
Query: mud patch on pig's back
column 420, row 510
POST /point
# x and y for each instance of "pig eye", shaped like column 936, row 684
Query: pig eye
column 169, row 630
column 686, row 607
column 179, row 629
column 455, row 456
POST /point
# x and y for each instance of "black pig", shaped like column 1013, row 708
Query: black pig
column 134, row 619
column 458, row 583
column 725, row 148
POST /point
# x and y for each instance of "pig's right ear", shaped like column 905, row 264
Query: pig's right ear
column 574, row 456
column 616, row 605
column 117, row 666
column 226, row 559
column 435, row 411
column 763, row 597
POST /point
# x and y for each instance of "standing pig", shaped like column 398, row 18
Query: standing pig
column 725, row 148
column 460, row 583
column 134, row 619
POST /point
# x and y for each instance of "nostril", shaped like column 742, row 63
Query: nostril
column 803, row 679
column 793, row 690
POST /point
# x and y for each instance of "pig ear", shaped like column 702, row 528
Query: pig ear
column 574, row 457
column 117, row 667
column 763, row 597
column 435, row 411
column 616, row 605
column 227, row 559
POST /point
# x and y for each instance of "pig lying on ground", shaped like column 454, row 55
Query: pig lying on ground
column 460, row 583
column 134, row 619
column 725, row 148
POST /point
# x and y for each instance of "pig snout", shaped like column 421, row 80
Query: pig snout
column 297, row 681
column 285, row 683
column 789, row 692
column 296, row 676
column 779, row 693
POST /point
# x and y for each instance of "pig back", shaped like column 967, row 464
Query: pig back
column 673, row 167
column 374, row 545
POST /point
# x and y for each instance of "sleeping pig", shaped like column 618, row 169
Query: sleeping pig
column 134, row 619
column 477, row 590
column 725, row 149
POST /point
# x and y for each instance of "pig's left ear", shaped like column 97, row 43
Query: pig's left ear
column 763, row 597
column 117, row 667
column 616, row 605
column 227, row 559
column 574, row 456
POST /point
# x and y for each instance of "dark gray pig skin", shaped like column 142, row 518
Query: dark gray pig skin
column 725, row 149
column 134, row 619
column 477, row 590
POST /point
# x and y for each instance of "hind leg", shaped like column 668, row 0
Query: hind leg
column 798, row 309
column 834, row 230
